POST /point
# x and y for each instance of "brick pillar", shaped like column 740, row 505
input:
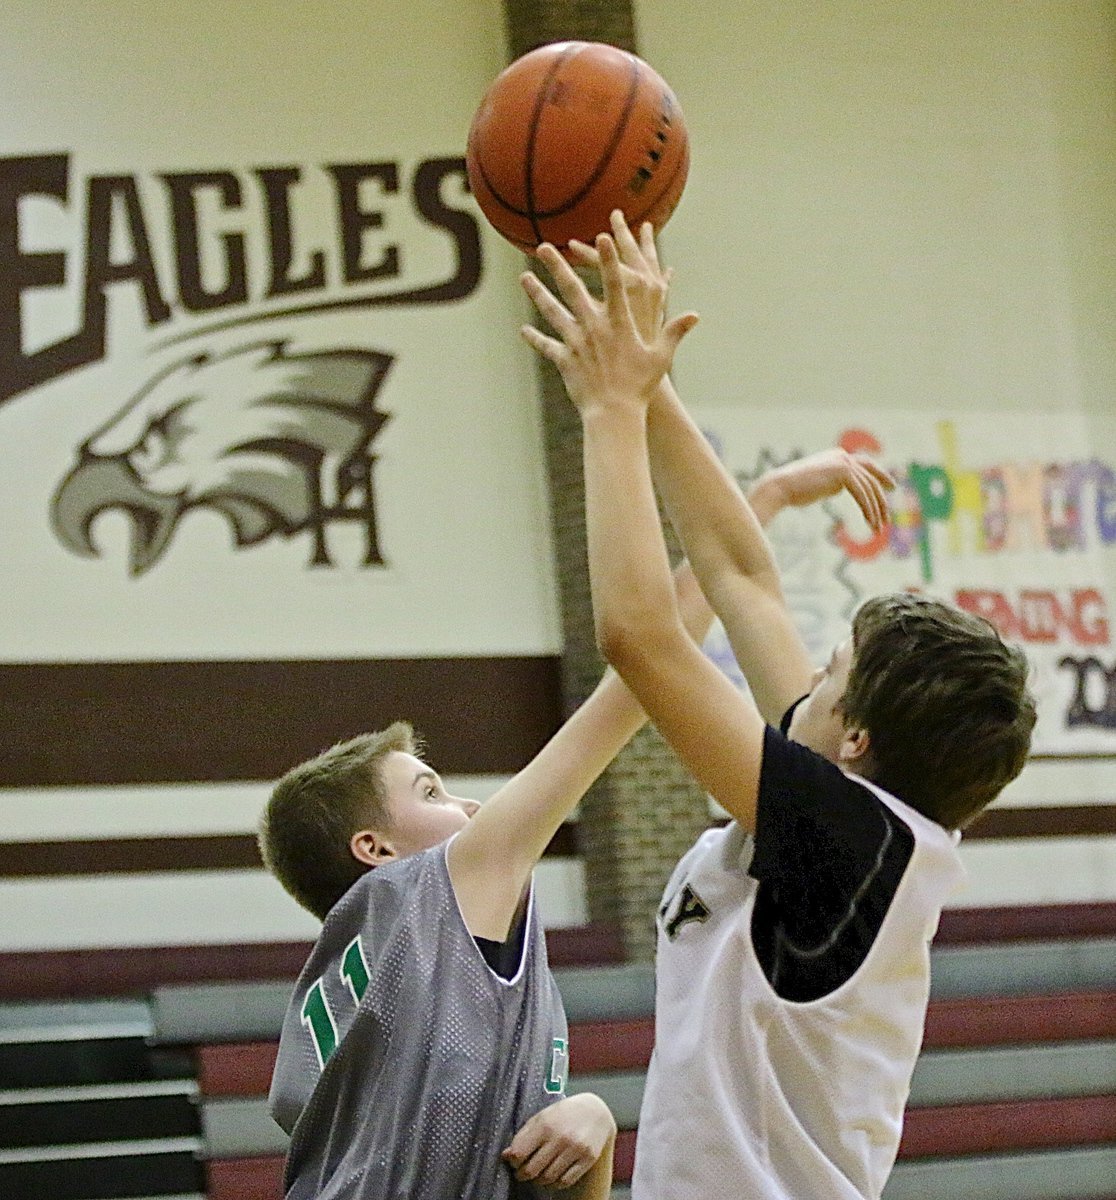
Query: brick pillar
column 646, row 811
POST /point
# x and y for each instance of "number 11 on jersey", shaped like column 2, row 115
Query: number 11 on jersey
column 315, row 1014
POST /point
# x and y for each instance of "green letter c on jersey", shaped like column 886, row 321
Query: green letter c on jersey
column 559, row 1067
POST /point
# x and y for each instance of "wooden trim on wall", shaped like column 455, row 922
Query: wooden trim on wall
column 1026, row 923
column 1056, row 820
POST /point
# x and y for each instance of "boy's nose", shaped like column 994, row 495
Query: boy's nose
column 470, row 807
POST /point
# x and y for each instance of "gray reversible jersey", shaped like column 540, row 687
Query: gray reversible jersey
column 406, row 1065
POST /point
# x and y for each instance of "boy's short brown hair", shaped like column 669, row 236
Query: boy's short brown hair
column 315, row 809
column 945, row 702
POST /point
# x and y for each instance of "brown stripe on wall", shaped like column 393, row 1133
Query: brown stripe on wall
column 134, row 970
column 1026, row 923
column 118, row 856
column 173, row 722
column 1059, row 820
column 1069, row 820
column 235, row 852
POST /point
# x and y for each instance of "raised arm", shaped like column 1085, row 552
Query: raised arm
column 491, row 859
column 730, row 554
column 613, row 355
column 720, row 531
column 611, row 372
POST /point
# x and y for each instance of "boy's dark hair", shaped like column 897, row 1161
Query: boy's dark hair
column 945, row 703
column 315, row 809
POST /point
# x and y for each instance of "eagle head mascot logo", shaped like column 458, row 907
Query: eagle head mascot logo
column 278, row 442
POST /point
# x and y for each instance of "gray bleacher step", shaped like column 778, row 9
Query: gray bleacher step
column 74, row 1021
column 130, row 1117
column 1070, row 1174
column 995, row 1073
column 85, row 1151
column 232, row 1012
column 169, row 1168
column 985, row 1075
column 240, row 1129
column 611, row 993
column 622, row 1091
column 99, row 1091
column 1023, row 968
column 219, row 1012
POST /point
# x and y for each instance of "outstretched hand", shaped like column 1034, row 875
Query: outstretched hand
column 608, row 351
column 645, row 280
column 818, row 476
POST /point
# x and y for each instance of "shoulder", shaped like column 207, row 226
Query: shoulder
column 797, row 779
column 813, row 817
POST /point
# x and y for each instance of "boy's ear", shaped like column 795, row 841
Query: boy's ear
column 371, row 848
column 856, row 749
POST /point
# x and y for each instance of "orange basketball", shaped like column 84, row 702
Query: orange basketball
column 569, row 132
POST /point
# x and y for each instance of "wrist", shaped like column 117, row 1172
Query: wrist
column 614, row 409
column 767, row 497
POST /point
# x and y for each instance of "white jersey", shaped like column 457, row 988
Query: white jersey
column 755, row 1096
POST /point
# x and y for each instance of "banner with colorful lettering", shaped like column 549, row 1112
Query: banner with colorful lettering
column 1013, row 518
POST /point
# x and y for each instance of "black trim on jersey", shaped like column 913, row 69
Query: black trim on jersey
column 829, row 855
column 504, row 957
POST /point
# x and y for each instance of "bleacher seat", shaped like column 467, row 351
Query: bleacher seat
column 1013, row 1097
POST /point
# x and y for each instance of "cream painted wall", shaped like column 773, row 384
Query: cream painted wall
column 897, row 206
column 894, row 204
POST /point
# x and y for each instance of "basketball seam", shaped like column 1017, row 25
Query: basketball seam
column 533, row 215
column 606, row 157
column 532, row 135
column 501, row 200
column 635, row 221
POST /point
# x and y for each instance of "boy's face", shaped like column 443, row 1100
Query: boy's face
column 819, row 721
column 422, row 812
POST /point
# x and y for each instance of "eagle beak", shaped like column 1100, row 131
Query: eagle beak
column 98, row 484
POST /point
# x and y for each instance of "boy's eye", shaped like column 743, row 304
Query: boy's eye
column 431, row 792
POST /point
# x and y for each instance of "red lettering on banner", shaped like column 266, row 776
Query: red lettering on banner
column 1038, row 615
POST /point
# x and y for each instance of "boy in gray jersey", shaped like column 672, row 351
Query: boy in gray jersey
column 424, row 1051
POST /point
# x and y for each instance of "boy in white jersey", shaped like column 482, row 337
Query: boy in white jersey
column 793, row 966
column 425, row 1040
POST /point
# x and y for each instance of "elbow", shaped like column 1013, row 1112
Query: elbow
column 616, row 641
column 628, row 647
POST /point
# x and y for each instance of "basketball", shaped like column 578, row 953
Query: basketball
column 569, row 132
